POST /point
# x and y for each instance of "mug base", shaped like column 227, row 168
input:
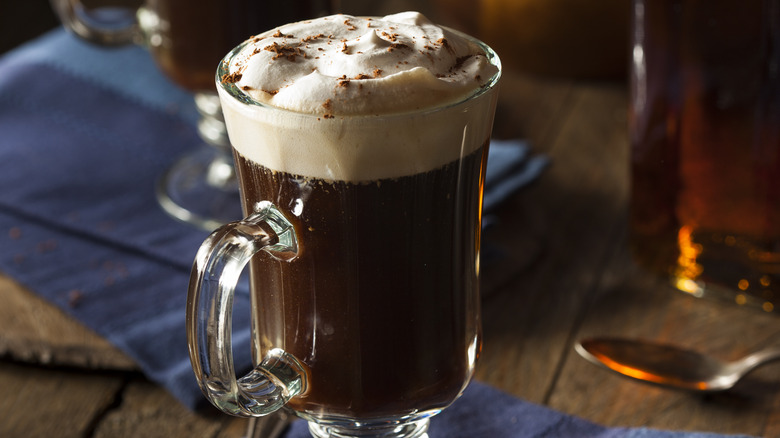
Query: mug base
column 412, row 429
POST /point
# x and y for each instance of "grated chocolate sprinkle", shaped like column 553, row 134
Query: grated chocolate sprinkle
column 279, row 34
column 231, row 78
column 285, row 51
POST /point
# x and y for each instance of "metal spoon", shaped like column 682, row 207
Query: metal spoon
column 671, row 366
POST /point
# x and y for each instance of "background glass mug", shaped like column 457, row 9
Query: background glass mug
column 705, row 136
column 365, row 296
column 187, row 38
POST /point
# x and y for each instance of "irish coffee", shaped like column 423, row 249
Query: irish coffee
column 362, row 142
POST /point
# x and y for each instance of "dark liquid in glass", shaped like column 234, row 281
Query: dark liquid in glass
column 706, row 144
column 376, row 305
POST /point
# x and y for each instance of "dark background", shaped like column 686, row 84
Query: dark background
column 22, row 20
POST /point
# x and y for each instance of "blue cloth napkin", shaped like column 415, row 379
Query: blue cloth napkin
column 85, row 133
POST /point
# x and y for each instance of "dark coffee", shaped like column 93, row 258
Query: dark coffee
column 377, row 303
column 193, row 36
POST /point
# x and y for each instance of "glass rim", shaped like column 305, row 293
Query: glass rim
column 233, row 91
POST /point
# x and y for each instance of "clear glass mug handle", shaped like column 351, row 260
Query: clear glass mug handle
column 105, row 25
column 215, row 273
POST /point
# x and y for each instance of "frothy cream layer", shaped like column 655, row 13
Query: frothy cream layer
column 358, row 65
column 362, row 98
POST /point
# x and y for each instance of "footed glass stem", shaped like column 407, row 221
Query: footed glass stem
column 201, row 188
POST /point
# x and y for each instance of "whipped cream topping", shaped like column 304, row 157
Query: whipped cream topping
column 363, row 99
column 345, row 65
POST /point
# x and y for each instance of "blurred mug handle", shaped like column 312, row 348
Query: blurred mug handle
column 107, row 25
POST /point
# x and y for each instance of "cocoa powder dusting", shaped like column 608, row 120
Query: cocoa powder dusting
column 395, row 46
column 74, row 298
column 231, row 78
column 459, row 62
column 285, row 51
column 14, row 233
column 390, row 36
column 312, row 38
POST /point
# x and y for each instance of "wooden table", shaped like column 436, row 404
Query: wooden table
column 564, row 273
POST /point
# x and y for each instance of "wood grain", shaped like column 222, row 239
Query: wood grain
column 147, row 410
column 530, row 322
column 33, row 330
column 42, row 402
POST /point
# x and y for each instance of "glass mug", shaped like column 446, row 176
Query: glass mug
column 365, row 296
column 187, row 38
column 705, row 135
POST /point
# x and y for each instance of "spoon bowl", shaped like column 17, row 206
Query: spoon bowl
column 670, row 366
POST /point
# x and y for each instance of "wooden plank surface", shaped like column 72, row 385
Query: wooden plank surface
column 571, row 214
column 32, row 330
column 33, row 402
column 563, row 273
column 632, row 303
column 147, row 410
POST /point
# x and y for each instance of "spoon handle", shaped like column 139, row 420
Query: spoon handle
column 761, row 357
